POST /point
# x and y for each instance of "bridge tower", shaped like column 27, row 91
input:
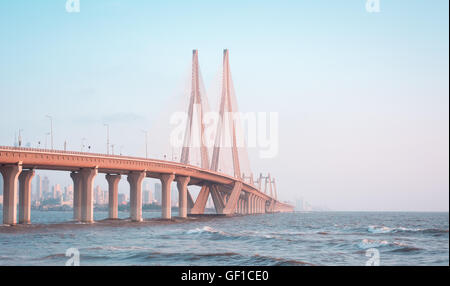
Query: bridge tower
column 194, row 123
column 194, row 135
column 226, row 198
column 225, row 111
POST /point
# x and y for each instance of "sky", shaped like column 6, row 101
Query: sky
column 362, row 98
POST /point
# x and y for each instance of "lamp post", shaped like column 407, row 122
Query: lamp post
column 146, row 142
column 51, row 130
column 19, row 139
column 107, row 138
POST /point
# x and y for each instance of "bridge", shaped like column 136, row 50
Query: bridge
column 235, row 193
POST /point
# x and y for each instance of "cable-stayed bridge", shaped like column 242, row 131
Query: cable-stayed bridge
column 224, row 173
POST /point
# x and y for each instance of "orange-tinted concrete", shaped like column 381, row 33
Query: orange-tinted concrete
column 224, row 189
column 182, row 183
column 166, row 181
column 76, row 178
column 25, row 195
column 10, row 174
column 87, row 186
column 200, row 202
column 113, row 194
column 135, row 179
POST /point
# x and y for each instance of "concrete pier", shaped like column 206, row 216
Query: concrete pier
column 25, row 195
column 10, row 174
column 166, row 181
column 182, row 183
column 76, row 178
column 87, row 186
column 113, row 194
column 135, row 179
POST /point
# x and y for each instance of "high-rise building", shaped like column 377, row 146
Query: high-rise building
column 122, row 199
column 174, row 197
column 147, row 196
column 56, row 192
column 157, row 194
column 68, row 193
column 37, row 188
column 100, row 196
column 45, row 187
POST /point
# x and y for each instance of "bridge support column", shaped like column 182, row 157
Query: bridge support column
column 135, row 179
column 249, row 203
column 10, row 174
column 87, row 186
column 113, row 192
column 166, row 181
column 200, row 202
column 244, row 204
column 25, row 195
column 76, row 178
column 182, row 183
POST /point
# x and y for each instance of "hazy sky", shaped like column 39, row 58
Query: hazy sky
column 363, row 98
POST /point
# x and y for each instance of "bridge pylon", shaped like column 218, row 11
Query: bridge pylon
column 194, row 124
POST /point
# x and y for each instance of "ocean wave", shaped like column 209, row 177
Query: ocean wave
column 385, row 229
column 406, row 249
column 205, row 229
column 278, row 261
column 391, row 246
column 226, row 235
column 115, row 248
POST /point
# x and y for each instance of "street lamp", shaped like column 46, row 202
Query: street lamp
column 146, row 142
column 51, row 129
column 107, row 137
column 19, row 139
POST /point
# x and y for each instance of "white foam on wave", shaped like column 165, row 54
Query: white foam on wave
column 369, row 243
column 205, row 229
column 385, row 229
column 379, row 229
